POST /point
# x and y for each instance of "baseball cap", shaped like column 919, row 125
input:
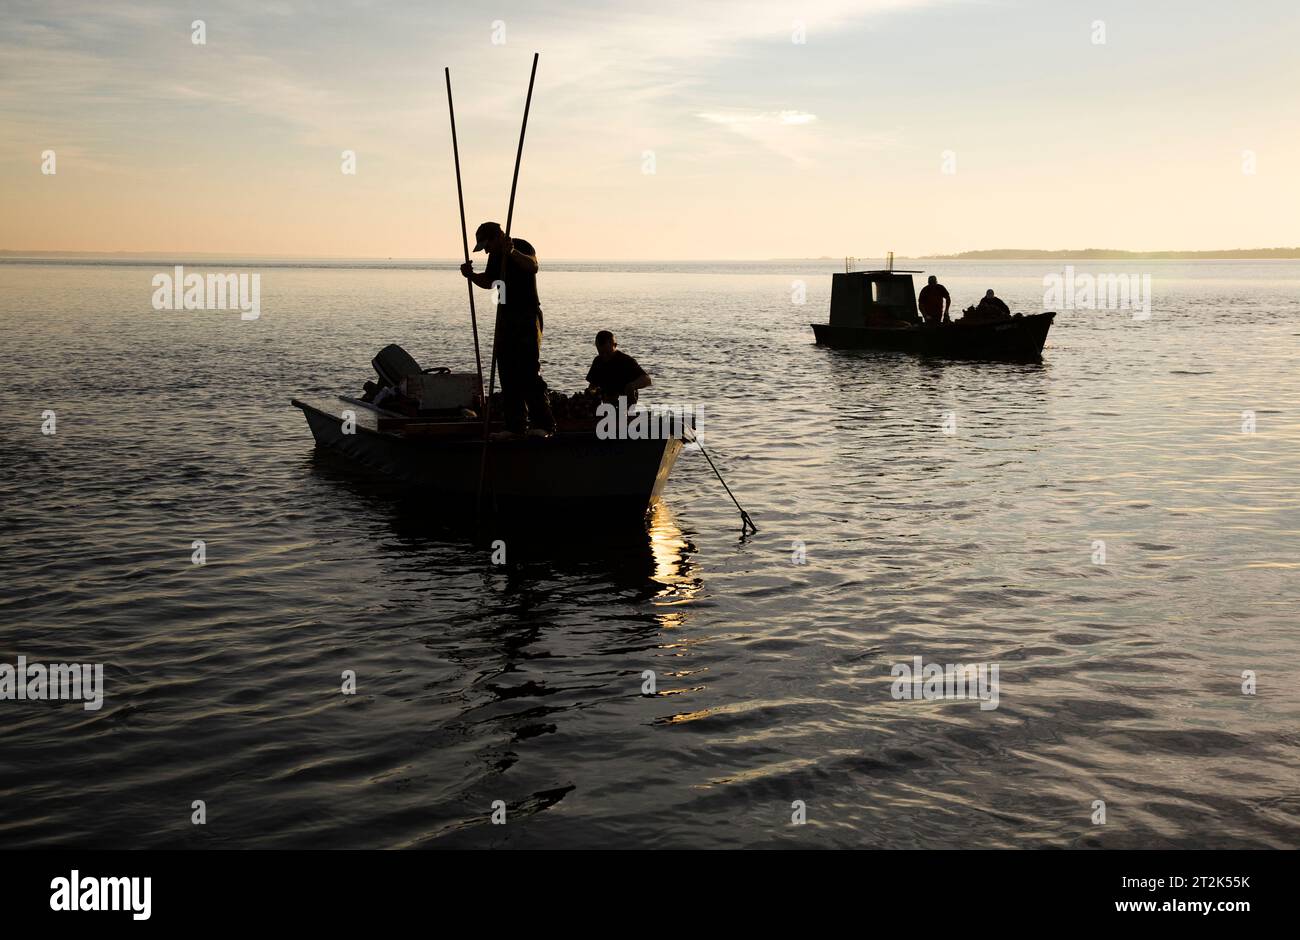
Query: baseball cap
column 485, row 233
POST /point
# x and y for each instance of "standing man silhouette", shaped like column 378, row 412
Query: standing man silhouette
column 513, row 262
column 934, row 301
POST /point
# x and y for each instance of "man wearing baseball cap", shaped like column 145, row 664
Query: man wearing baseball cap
column 513, row 262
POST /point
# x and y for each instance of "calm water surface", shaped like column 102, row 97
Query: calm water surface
column 1119, row 682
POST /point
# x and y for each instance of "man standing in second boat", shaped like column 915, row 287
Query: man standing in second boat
column 934, row 302
column 513, row 262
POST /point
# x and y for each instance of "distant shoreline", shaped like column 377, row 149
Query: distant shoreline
column 1113, row 254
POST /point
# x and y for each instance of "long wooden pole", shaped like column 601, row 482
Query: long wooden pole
column 464, row 234
column 510, row 216
column 519, row 154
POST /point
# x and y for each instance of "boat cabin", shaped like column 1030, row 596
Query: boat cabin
column 873, row 298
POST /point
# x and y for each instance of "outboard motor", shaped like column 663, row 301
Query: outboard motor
column 404, row 386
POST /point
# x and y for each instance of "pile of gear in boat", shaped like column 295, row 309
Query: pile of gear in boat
column 405, row 388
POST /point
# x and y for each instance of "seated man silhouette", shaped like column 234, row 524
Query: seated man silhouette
column 990, row 308
column 614, row 374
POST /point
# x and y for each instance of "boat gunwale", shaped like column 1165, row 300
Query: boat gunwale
column 1019, row 320
column 570, row 438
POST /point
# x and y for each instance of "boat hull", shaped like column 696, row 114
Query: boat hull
column 574, row 477
column 1019, row 339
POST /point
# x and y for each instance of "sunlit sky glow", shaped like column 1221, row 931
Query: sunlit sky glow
column 763, row 147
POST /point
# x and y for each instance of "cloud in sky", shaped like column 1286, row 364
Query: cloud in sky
column 787, row 139
column 786, row 133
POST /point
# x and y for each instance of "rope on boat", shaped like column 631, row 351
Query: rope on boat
column 746, row 524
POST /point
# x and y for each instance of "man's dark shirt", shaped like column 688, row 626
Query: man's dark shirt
column 932, row 298
column 612, row 375
column 521, row 305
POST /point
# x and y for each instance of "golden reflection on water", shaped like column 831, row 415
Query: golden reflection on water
column 669, row 552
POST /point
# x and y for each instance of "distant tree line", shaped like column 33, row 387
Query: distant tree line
column 1113, row 254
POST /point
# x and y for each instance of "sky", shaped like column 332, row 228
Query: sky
column 672, row 130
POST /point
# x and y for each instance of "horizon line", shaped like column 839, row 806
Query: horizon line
column 970, row 255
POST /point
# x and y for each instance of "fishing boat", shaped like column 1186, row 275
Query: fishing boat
column 573, row 476
column 877, row 310
column 422, row 427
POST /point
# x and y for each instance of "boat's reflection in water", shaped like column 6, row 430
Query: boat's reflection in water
column 853, row 369
column 630, row 563
column 634, row 563
column 503, row 655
